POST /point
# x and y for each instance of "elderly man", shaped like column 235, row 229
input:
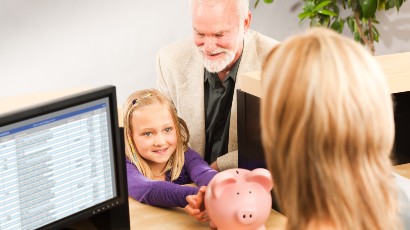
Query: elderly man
column 200, row 75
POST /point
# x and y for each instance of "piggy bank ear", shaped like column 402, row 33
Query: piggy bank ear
column 262, row 177
column 220, row 181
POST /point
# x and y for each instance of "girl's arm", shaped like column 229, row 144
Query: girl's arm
column 156, row 193
column 198, row 169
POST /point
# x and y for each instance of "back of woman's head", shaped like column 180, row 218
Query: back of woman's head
column 328, row 132
column 144, row 98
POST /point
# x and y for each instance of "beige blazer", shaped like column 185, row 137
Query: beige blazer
column 180, row 76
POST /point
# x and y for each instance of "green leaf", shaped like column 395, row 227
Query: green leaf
column 337, row 25
column 398, row 4
column 369, row 8
column 305, row 14
column 309, row 6
column 382, row 5
column 351, row 24
column 354, row 4
column 268, row 1
column 390, row 4
column 376, row 34
column 344, row 4
column 321, row 5
column 374, row 20
column 314, row 22
column 376, row 37
column 366, row 33
column 325, row 21
column 357, row 37
column 364, row 20
column 336, row 9
column 327, row 12
column 256, row 4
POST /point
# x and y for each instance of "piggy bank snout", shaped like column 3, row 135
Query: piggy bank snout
column 247, row 215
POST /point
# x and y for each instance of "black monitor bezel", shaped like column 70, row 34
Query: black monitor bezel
column 119, row 157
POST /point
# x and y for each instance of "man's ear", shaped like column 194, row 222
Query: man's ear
column 247, row 22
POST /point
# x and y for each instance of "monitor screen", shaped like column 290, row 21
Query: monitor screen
column 250, row 149
column 61, row 161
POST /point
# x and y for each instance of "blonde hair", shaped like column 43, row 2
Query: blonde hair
column 141, row 99
column 328, row 131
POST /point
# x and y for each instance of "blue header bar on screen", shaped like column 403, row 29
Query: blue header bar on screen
column 50, row 120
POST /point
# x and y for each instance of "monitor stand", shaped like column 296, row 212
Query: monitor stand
column 114, row 219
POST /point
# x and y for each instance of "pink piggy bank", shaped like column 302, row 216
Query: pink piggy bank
column 239, row 199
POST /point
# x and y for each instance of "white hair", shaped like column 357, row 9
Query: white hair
column 243, row 5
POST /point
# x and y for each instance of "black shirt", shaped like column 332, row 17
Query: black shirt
column 218, row 101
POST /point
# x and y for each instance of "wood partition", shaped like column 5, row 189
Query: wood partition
column 397, row 70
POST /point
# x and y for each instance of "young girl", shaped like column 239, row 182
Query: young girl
column 159, row 160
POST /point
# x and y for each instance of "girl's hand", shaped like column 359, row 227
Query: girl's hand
column 196, row 205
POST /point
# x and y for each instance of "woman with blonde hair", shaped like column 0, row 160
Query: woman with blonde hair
column 328, row 131
column 159, row 161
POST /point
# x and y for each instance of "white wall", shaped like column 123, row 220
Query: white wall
column 56, row 44
column 278, row 20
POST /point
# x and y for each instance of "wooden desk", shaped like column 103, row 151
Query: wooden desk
column 403, row 170
column 147, row 217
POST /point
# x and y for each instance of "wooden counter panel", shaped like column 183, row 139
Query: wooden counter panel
column 147, row 217
column 403, row 170
column 395, row 66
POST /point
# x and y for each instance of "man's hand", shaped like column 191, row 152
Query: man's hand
column 214, row 166
column 196, row 205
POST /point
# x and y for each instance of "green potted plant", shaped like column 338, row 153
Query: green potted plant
column 359, row 15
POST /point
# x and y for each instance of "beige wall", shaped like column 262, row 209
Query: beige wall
column 55, row 44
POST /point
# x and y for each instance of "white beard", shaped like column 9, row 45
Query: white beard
column 215, row 66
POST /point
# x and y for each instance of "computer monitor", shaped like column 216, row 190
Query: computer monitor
column 250, row 149
column 61, row 162
column 401, row 149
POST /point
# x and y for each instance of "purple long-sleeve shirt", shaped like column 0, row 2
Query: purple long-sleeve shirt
column 166, row 193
